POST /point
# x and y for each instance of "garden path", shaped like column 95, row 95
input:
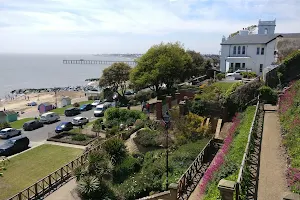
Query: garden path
column 272, row 183
column 65, row 192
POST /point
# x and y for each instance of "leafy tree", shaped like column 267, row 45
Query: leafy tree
column 116, row 149
column 196, row 67
column 207, row 65
column 251, row 29
column 163, row 63
column 116, row 77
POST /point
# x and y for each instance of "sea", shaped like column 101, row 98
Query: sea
column 19, row 71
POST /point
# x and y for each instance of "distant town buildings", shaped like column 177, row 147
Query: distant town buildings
column 252, row 51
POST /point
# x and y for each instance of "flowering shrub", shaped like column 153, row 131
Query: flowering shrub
column 219, row 158
column 289, row 113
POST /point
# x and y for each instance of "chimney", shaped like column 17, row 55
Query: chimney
column 244, row 32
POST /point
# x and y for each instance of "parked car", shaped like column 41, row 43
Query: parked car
column 72, row 111
column 128, row 93
column 31, row 104
column 14, row 145
column 32, row 125
column 64, row 126
column 99, row 111
column 9, row 132
column 49, row 117
column 237, row 74
column 86, row 107
column 77, row 121
column 96, row 103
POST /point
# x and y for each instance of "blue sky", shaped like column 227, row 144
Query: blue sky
column 132, row 26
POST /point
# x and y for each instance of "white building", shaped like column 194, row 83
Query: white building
column 252, row 51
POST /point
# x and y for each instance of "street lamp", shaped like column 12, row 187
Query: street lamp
column 166, row 123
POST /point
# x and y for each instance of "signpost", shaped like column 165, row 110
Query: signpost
column 166, row 123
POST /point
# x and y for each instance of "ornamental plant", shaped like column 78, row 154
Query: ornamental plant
column 220, row 157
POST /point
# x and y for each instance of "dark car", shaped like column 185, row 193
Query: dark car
column 86, row 107
column 64, row 126
column 14, row 145
column 32, row 125
column 72, row 112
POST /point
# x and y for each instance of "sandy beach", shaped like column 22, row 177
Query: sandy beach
column 19, row 103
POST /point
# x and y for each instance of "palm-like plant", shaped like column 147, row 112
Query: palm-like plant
column 100, row 165
column 80, row 172
column 88, row 185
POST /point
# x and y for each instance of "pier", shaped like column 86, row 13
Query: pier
column 95, row 62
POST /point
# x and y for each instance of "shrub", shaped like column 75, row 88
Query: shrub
column 116, row 149
column 268, row 95
column 97, row 125
column 220, row 76
column 128, row 166
column 144, row 95
column 76, row 105
column 4, row 125
column 148, row 138
column 248, row 74
column 122, row 115
column 79, row 137
column 113, row 131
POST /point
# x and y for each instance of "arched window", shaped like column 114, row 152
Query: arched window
column 244, row 50
column 266, row 31
column 234, row 50
column 239, row 50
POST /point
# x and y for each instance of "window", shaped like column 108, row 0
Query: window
column 266, row 31
column 257, row 51
column 231, row 66
column 243, row 65
column 239, row 50
column 260, row 67
column 244, row 50
column 234, row 50
column 237, row 66
column 262, row 52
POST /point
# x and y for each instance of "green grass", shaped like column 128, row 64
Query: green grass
column 27, row 168
column 223, row 86
column 235, row 154
column 61, row 111
column 19, row 123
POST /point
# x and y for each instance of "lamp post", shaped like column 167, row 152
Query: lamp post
column 166, row 123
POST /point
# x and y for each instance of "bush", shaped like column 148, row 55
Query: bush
column 76, row 105
column 113, row 131
column 248, row 74
column 268, row 95
column 97, row 125
column 220, row 76
column 123, row 170
column 4, row 125
column 144, row 96
column 116, row 149
column 122, row 115
column 79, row 137
column 148, row 138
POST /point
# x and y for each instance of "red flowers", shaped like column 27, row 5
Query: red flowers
column 219, row 158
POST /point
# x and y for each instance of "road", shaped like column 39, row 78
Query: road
column 41, row 134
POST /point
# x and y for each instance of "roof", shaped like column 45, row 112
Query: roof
column 46, row 104
column 6, row 129
column 7, row 112
column 251, row 39
column 290, row 35
column 66, row 98
column 18, row 137
column 77, row 118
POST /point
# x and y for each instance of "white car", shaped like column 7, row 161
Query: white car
column 77, row 121
column 9, row 132
column 237, row 74
column 96, row 103
column 49, row 117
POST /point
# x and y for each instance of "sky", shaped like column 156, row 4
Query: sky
column 133, row 26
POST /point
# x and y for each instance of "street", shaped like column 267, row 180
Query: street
column 41, row 134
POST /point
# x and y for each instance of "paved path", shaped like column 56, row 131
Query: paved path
column 65, row 192
column 65, row 145
column 272, row 182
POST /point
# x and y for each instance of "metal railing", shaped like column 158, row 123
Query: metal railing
column 243, row 171
column 197, row 168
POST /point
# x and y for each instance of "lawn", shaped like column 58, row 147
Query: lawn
column 19, row 123
column 223, row 86
column 27, row 168
column 61, row 111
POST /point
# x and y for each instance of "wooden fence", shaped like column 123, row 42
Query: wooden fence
column 187, row 183
column 244, row 171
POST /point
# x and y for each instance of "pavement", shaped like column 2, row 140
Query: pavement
column 65, row 192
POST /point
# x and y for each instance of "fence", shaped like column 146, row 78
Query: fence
column 244, row 172
column 41, row 187
column 187, row 183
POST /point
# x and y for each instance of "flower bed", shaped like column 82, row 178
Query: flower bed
column 228, row 159
column 73, row 138
column 289, row 111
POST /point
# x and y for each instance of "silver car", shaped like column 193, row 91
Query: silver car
column 9, row 132
column 77, row 121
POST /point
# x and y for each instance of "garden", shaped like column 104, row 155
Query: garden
column 25, row 169
column 289, row 112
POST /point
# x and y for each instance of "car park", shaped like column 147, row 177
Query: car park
column 86, row 107
column 9, row 132
column 64, row 126
column 72, row 111
column 49, row 117
column 14, row 145
column 32, row 125
column 77, row 121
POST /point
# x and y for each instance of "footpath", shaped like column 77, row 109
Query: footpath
column 272, row 183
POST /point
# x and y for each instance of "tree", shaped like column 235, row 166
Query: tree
column 116, row 77
column 162, row 64
column 251, row 29
column 196, row 68
column 116, row 149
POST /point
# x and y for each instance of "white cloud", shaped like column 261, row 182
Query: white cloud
column 98, row 21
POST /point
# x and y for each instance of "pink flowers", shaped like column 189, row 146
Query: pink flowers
column 220, row 157
column 293, row 176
